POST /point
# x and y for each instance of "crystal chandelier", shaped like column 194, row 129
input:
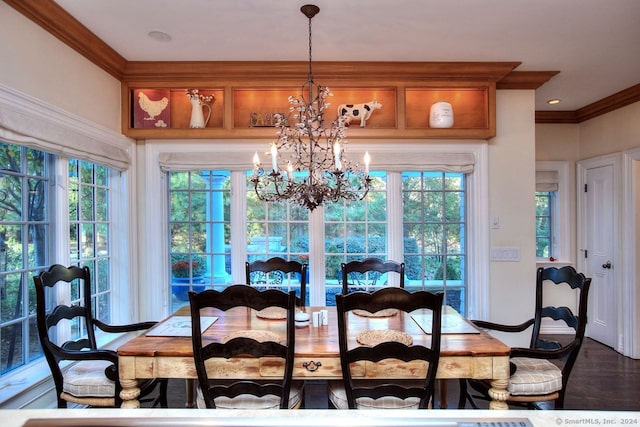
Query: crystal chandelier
column 316, row 169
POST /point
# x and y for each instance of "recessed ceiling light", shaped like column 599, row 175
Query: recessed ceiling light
column 159, row 36
column 553, row 101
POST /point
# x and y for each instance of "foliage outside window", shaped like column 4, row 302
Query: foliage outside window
column 552, row 211
column 276, row 230
column 89, row 231
column 199, row 231
column 355, row 230
column 24, row 244
column 434, row 234
column 27, row 198
column 430, row 206
column 544, row 224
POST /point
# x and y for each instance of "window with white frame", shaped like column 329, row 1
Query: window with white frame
column 27, row 200
column 432, row 207
column 552, row 211
column 355, row 230
column 89, row 231
column 199, row 231
column 25, row 246
column 434, row 211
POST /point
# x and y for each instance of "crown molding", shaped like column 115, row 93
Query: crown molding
column 610, row 103
column 51, row 17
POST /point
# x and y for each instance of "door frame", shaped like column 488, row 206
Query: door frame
column 630, row 195
column 582, row 167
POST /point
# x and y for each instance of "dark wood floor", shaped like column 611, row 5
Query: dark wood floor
column 601, row 380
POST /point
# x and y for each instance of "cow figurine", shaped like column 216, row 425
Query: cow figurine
column 358, row 111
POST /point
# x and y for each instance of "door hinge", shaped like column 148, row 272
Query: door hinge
column 585, row 188
column 586, row 253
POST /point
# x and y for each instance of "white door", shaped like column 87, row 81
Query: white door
column 600, row 227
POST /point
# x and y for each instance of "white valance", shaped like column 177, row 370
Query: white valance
column 547, row 180
column 29, row 122
column 242, row 160
column 188, row 161
column 423, row 161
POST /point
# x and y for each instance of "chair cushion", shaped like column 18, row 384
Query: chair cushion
column 247, row 401
column 534, row 376
column 87, row 378
column 338, row 397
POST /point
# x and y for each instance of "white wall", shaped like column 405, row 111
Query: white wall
column 613, row 132
column 511, row 189
column 38, row 64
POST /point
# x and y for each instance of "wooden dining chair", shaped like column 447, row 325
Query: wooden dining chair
column 373, row 346
column 279, row 268
column 541, row 372
column 279, row 391
column 92, row 378
column 368, row 270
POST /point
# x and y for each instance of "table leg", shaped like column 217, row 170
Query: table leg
column 499, row 394
column 190, row 385
column 130, row 393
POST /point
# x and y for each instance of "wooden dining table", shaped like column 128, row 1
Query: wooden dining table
column 466, row 352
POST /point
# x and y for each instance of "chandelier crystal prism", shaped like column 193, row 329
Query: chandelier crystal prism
column 316, row 168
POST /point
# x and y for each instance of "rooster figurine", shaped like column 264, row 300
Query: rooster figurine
column 151, row 107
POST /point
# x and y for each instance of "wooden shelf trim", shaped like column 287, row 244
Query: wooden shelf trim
column 272, row 72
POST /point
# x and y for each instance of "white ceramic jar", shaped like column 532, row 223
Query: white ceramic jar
column 441, row 115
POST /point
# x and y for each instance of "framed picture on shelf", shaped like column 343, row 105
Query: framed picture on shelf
column 151, row 108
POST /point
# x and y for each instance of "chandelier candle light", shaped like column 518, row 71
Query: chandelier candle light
column 316, row 170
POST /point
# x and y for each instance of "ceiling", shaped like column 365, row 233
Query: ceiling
column 594, row 44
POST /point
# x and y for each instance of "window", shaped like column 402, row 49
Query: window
column 199, row 229
column 434, row 212
column 89, row 231
column 355, row 230
column 545, row 213
column 431, row 207
column 25, row 199
column 552, row 211
column 276, row 230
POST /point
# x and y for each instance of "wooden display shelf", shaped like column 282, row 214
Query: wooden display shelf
column 470, row 107
column 255, row 107
column 241, row 111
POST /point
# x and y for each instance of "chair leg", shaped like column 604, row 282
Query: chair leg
column 465, row 396
column 164, row 386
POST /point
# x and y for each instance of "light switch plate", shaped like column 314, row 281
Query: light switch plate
column 505, row 254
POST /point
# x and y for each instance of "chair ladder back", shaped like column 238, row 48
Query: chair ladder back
column 398, row 298
column 370, row 265
column 282, row 265
column 243, row 296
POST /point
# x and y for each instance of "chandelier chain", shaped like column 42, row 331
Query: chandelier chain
column 310, row 57
column 316, row 170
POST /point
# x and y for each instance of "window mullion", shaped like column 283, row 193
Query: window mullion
column 238, row 225
column 395, row 232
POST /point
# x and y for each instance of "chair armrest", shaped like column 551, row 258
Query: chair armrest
column 502, row 328
column 101, row 354
column 114, row 329
column 539, row 354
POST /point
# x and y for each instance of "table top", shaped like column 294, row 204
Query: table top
column 319, row 341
